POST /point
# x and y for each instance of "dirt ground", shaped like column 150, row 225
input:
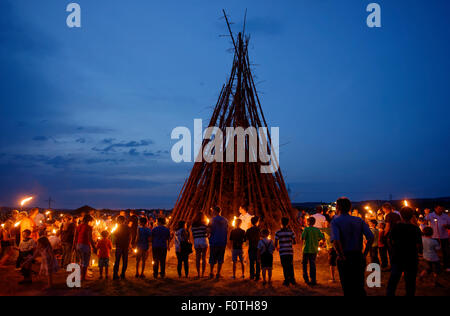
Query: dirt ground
column 174, row 286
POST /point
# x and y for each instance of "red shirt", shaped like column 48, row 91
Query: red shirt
column 104, row 247
column 84, row 232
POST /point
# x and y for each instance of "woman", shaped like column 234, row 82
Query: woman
column 82, row 243
column 199, row 232
column 182, row 248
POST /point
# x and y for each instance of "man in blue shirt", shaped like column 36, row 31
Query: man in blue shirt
column 347, row 236
column 217, row 241
column 160, row 243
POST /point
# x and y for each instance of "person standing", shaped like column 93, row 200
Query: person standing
column 237, row 237
column 160, row 246
column 83, row 242
column 182, row 248
column 122, row 239
column 142, row 246
column 284, row 239
column 320, row 219
column 67, row 231
column 406, row 240
column 391, row 218
column 217, row 241
column 199, row 233
column 253, row 236
column 347, row 236
column 133, row 224
column 440, row 222
column 311, row 237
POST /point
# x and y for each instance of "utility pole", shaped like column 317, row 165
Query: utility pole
column 50, row 200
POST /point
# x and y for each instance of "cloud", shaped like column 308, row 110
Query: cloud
column 81, row 140
column 113, row 146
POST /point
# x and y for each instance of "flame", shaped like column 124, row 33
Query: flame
column 268, row 237
column 47, row 213
column 135, row 250
column 17, row 224
column 207, row 221
column 234, row 222
column 114, row 228
column 405, row 202
column 54, row 231
column 367, row 207
column 28, row 199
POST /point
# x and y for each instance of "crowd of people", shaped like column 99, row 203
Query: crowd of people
column 393, row 239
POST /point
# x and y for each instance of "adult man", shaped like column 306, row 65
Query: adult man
column 406, row 241
column 391, row 219
column 253, row 236
column 160, row 246
column 440, row 222
column 217, row 241
column 67, row 233
column 347, row 236
column 246, row 218
column 122, row 239
column 318, row 216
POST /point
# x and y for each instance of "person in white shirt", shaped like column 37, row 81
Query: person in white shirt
column 246, row 218
column 440, row 222
column 320, row 219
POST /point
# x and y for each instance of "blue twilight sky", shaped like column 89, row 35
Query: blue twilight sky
column 86, row 114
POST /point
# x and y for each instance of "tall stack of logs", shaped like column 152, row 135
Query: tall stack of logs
column 231, row 185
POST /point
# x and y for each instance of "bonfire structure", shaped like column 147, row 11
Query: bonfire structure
column 231, row 185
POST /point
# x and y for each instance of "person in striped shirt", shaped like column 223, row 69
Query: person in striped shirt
column 284, row 239
column 199, row 233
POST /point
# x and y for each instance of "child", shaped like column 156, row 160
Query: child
column 143, row 240
column 104, row 247
column 374, row 250
column 265, row 255
column 49, row 265
column 237, row 236
column 311, row 237
column 26, row 248
column 332, row 254
column 284, row 239
column 430, row 248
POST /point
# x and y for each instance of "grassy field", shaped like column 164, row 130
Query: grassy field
column 174, row 286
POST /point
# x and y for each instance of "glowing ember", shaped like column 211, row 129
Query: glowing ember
column 28, row 199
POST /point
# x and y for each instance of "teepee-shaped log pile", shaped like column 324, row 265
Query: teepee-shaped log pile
column 234, row 184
